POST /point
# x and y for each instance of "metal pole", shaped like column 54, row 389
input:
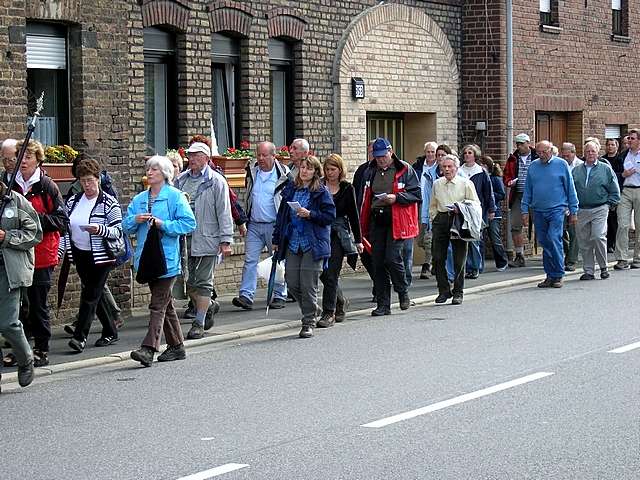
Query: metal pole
column 509, row 131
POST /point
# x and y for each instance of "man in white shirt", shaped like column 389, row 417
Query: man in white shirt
column 570, row 236
column 629, row 202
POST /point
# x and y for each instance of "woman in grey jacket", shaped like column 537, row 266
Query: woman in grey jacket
column 20, row 231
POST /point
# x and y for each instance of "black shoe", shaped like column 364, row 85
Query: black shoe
column 144, row 355
column 290, row 298
column 405, row 301
column 570, row 267
column 69, row 329
column 587, row 276
column 557, row 283
column 381, row 311
column 173, row 352
column 306, row 331
column 635, row 265
column 546, row 283
column 425, row 271
column 472, row 275
column 25, row 374
column 457, row 299
column 326, row 320
column 443, row 297
column 611, row 249
column 621, row 265
column 341, row 307
column 77, row 345
column 40, row 358
column 196, row 332
column 518, row 261
column 104, row 341
column 211, row 311
column 277, row 303
column 604, row 274
column 242, row 302
column 190, row 312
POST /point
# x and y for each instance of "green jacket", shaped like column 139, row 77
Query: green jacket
column 23, row 231
column 601, row 189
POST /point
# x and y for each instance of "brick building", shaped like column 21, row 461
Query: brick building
column 128, row 78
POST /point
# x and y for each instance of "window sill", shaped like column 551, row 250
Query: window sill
column 550, row 29
column 620, row 38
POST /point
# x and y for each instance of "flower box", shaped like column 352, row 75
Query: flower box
column 233, row 168
column 59, row 172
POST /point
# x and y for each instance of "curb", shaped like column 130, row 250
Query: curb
column 12, row 377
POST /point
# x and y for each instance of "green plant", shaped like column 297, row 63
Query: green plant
column 60, row 154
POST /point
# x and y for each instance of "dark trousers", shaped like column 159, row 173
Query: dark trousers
column 38, row 321
column 387, row 260
column 162, row 315
column 439, row 246
column 329, row 277
column 494, row 232
column 612, row 228
column 570, row 243
column 93, row 278
column 367, row 262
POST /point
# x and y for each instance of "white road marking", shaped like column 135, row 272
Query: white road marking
column 214, row 472
column 626, row 348
column 456, row 400
column 207, row 439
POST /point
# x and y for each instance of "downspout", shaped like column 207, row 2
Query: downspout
column 509, row 136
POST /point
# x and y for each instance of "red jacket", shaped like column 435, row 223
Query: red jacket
column 511, row 171
column 47, row 201
column 404, row 212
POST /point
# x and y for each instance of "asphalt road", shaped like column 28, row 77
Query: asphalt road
column 519, row 384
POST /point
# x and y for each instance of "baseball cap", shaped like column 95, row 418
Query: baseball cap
column 380, row 147
column 522, row 138
column 199, row 147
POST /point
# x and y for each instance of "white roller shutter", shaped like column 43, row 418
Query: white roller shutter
column 46, row 52
column 616, row 5
column 545, row 6
column 612, row 131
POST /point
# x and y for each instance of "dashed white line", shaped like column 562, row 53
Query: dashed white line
column 214, row 472
column 456, row 400
column 626, row 348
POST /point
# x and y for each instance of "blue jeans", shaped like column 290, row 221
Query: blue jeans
column 259, row 235
column 475, row 256
column 407, row 259
column 449, row 264
column 549, row 228
column 494, row 231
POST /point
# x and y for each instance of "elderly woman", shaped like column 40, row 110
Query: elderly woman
column 598, row 191
column 302, row 236
column 46, row 199
column 94, row 218
column 20, row 231
column 177, row 161
column 167, row 208
column 473, row 171
column 347, row 222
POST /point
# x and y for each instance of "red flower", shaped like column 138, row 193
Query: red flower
column 181, row 152
column 231, row 150
column 245, row 145
column 284, row 148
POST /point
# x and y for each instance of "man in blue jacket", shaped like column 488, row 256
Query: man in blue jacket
column 551, row 194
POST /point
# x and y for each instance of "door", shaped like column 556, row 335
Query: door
column 389, row 126
column 552, row 127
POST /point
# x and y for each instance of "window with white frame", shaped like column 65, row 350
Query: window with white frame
column 160, row 130
column 619, row 17
column 281, row 89
column 225, row 65
column 549, row 13
column 48, row 72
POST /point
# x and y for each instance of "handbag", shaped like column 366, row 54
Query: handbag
column 343, row 231
column 152, row 264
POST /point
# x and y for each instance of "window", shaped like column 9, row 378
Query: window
column 225, row 64
column 614, row 131
column 389, row 126
column 549, row 14
column 160, row 130
column 281, row 87
column 619, row 18
column 47, row 72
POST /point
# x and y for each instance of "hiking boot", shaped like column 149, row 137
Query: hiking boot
column 242, row 302
column 326, row 320
column 405, row 301
column 190, row 312
column 425, row 272
column 557, row 283
column 173, row 352
column 518, row 261
column 381, row 311
column 25, row 374
column 277, row 303
column 457, row 299
column 546, row 283
column 306, row 331
column 570, row 267
column 604, row 274
column 443, row 297
column 587, row 276
column 622, row 265
column 196, row 331
column 211, row 311
column 144, row 355
column 40, row 358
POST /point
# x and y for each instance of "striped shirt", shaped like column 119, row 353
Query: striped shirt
column 523, row 167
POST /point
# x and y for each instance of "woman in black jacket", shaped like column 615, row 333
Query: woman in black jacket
column 347, row 222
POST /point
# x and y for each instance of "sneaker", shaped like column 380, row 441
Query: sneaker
column 77, row 345
column 425, row 272
column 381, row 311
column 190, row 312
column 502, row 269
column 211, row 311
column 326, row 320
column 106, row 341
column 173, row 352
column 144, row 355
column 405, row 301
column 518, row 261
column 196, row 332
column 457, row 299
column 622, row 265
column 70, row 328
column 604, row 274
column 570, row 267
column 242, row 302
column 40, row 358
column 587, row 276
column 306, row 331
column 472, row 275
column 277, row 303
column 25, row 374
column 443, row 297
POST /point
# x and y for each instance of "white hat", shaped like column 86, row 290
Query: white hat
column 522, row 138
column 199, row 147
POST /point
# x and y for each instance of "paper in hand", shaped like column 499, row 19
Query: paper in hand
column 295, row 205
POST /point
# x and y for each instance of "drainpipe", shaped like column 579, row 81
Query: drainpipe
column 509, row 137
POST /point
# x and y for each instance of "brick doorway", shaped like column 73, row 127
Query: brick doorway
column 560, row 127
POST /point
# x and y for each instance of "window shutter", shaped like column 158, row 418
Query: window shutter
column 46, row 52
column 545, row 6
column 616, row 5
column 612, row 131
